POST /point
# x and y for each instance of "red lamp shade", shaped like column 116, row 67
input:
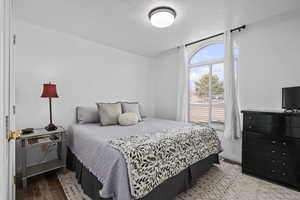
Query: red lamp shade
column 49, row 91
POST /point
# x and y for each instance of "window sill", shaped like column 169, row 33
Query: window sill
column 216, row 126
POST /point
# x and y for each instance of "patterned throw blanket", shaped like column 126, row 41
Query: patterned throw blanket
column 153, row 159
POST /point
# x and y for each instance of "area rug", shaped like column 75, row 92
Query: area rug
column 221, row 182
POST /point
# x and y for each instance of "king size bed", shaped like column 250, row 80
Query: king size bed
column 153, row 160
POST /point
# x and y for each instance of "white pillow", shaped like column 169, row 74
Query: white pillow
column 132, row 108
column 127, row 119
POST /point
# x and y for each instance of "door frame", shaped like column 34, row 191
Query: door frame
column 7, row 99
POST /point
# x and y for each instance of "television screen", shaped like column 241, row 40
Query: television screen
column 291, row 98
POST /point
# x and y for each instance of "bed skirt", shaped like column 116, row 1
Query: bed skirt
column 165, row 191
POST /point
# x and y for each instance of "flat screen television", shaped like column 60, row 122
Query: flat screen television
column 291, row 98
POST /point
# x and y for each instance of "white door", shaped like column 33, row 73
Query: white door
column 7, row 100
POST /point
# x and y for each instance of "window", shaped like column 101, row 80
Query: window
column 206, row 85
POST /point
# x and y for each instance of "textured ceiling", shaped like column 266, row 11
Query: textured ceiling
column 123, row 24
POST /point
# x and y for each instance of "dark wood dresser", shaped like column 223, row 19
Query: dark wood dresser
column 271, row 146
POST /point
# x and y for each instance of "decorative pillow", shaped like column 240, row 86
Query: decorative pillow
column 127, row 119
column 142, row 114
column 109, row 113
column 87, row 115
column 132, row 108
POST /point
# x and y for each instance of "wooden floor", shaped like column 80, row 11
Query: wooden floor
column 44, row 187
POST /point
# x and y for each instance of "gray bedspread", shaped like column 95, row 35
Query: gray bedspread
column 90, row 144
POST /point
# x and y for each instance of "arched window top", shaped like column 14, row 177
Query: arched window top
column 210, row 52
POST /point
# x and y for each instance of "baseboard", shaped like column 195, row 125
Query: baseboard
column 231, row 159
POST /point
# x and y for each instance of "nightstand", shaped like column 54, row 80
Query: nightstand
column 45, row 142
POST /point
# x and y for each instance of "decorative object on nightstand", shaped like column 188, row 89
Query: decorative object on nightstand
column 49, row 91
column 27, row 131
column 43, row 141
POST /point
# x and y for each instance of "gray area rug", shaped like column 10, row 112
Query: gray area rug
column 221, row 182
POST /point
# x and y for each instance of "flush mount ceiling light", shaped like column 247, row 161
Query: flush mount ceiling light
column 162, row 17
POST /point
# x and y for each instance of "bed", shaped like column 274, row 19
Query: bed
column 102, row 170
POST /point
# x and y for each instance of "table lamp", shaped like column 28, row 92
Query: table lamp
column 49, row 91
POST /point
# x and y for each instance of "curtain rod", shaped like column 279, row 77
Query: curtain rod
column 207, row 38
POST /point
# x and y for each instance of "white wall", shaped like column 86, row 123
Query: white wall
column 165, row 76
column 269, row 60
column 85, row 72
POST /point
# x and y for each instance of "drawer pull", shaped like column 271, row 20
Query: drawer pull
column 284, row 144
column 273, row 161
column 273, row 151
column 250, row 127
column 283, row 174
column 273, row 171
column 273, row 142
column 283, row 154
column 284, row 164
column 250, row 117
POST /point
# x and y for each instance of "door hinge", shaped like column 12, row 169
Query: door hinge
column 14, row 109
column 14, row 39
column 15, row 180
column 7, row 124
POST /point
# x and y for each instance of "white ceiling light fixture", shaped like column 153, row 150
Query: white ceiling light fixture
column 162, row 17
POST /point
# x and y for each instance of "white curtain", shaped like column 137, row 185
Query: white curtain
column 182, row 94
column 232, row 111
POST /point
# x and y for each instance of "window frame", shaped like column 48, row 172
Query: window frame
column 209, row 63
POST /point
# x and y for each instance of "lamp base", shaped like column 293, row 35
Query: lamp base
column 51, row 127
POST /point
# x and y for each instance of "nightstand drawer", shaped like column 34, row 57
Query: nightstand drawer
column 44, row 140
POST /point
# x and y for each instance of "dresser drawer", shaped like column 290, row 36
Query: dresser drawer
column 263, row 129
column 262, row 123
column 292, row 121
column 255, row 163
column 276, row 169
column 292, row 126
column 292, row 132
column 257, row 142
column 260, row 119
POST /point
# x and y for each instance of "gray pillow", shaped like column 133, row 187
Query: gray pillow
column 127, row 119
column 87, row 115
column 142, row 113
column 109, row 113
column 132, row 108
column 140, row 108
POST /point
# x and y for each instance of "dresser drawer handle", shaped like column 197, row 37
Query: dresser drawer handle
column 284, row 144
column 273, row 151
column 273, row 171
column 250, row 127
column 273, row 161
column 283, row 174
column 273, row 142
column 283, row 163
column 283, row 154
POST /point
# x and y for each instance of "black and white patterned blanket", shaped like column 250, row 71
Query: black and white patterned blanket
column 153, row 159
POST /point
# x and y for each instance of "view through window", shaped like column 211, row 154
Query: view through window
column 206, row 85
